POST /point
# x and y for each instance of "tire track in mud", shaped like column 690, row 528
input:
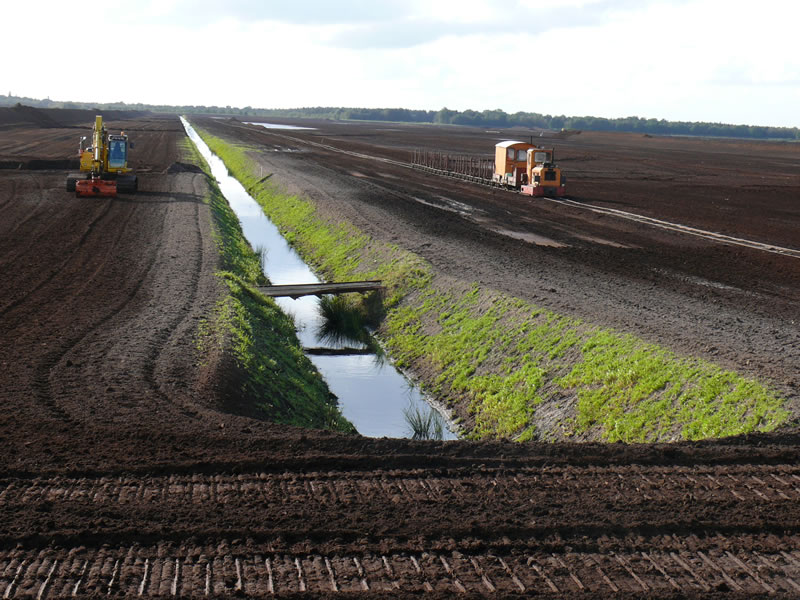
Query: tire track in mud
column 10, row 195
column 685, row 229
column 158, row 343
column 16, row 191
column 41, row 382
column 689, row 565
column 58, row 270
column 38, row 193
column 16, row 251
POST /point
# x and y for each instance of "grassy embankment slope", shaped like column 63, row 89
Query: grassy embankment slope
column 267, row 376
column 511, row 369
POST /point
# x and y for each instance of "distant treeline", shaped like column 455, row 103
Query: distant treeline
column 445, row 116
column 501, row 119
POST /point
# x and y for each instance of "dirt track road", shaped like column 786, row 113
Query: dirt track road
column 122, row 474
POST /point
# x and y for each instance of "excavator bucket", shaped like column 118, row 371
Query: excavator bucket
column 96, row 187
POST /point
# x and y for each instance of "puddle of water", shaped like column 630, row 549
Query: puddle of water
column 704, row 282
column 460, row 207
column 713, row 284
column 440, row 206
column 372, row 393
column 533, row 238
column 602, row 241
column 286, row 149
column 277, row 125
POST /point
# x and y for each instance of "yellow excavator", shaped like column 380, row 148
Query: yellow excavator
column 104, row 165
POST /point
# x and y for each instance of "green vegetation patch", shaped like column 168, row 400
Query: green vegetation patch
column 505, row 363
column 274, row 380
column 638, row 391
column 508, row 358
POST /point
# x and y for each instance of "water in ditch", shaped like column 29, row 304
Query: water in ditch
column 372, row 394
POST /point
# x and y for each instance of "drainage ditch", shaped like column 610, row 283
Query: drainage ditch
column 376, row 398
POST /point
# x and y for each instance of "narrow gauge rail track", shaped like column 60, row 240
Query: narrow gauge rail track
column 761, row 484
column 708, row 235
column 658, row 223
column 680, row 565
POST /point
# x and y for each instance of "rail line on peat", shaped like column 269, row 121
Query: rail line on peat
column 658, row 223
column 708, row 235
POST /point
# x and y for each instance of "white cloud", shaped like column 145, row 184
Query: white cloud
column 710, row 60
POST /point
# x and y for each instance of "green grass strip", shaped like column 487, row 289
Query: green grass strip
column 639, row 391
column 274, row 380
column 521, row 371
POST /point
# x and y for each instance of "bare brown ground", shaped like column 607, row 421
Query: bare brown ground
column 122, row 474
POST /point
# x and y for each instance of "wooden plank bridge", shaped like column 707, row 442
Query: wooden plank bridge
column 319, row 289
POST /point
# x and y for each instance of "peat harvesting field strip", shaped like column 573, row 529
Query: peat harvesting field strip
column 124, row 473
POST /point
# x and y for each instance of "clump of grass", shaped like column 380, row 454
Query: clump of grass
column 262, row 252
column 342, row 321
column 346, row 321
column 424, row 424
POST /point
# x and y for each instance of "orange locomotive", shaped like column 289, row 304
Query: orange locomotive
column 529, row 169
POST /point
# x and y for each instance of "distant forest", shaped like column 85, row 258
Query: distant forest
column 486, row 118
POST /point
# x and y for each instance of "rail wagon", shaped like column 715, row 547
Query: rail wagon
column 520, row 166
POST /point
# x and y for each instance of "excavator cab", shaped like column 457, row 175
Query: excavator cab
column 117, row 152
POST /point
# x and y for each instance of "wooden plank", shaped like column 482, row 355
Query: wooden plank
column 318, row 289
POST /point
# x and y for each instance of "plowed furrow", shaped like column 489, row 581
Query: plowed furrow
column 760, row 485
column 657, row 566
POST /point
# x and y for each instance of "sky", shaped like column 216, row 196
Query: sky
column 730, row 61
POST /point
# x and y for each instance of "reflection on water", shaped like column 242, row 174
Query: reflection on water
column 277, row 125
column 342, row 323
column 372, row 394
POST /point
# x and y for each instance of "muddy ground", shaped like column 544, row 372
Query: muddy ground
column 122, row 473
